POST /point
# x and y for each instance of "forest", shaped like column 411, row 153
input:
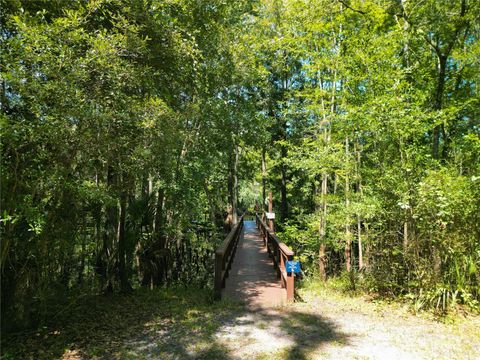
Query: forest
column 134, row 133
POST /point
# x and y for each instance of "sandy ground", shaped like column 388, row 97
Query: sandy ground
column 323, row 329
column 320, row 327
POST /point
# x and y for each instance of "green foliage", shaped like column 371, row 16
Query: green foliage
column 117, row 120
column 380, row 144
column 125, row 122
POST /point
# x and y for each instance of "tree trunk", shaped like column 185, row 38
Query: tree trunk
column 367, row 249
column 158, row 220
column 359, row 217
column 438, row 129
column 348, row 234
column 405, row 234
column 232, row 187
column 122, row 271
column 83, row 253
column 360, row 249
column 335, row 183
column 235, row 186
column 322, row 261
column 323, row 228
column 105, row 262
column 211, row 203
column 270, row 210
column 264, row 179
column 283, row 187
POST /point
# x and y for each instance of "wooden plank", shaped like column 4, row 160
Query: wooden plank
column 251, row 278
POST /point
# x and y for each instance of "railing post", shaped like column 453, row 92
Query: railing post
column 290, row 286
column 270, row 210
column 290, row 282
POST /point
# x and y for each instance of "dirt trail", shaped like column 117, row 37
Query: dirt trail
column 340, row 330
column 318, row 328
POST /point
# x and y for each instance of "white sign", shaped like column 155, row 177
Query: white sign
column 270, row 216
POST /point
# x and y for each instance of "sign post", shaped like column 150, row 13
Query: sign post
column 270, row 216
column 270, row 211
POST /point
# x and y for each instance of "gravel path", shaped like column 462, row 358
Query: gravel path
column 345, row 329
column 321, row 327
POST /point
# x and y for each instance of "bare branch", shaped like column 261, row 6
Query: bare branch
column 351, row 8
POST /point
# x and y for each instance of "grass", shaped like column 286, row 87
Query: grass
column 120, row 325
column 340, row 288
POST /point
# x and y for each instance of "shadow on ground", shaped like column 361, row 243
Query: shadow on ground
column 280, row 333
column 171, row 324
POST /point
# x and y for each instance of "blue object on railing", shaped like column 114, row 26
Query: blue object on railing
column 293, row 266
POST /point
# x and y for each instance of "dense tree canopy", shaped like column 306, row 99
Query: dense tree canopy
column 134, row 131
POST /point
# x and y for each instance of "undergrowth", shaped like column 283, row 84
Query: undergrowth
column 98, row 326
column 440, row 302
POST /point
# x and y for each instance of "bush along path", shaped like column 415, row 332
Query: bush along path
column 184, row 323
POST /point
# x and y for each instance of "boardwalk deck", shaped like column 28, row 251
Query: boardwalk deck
column 252, row 279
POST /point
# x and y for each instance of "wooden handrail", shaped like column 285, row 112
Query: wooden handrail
column 285, row 249
column 224, row 255
column 280, row 254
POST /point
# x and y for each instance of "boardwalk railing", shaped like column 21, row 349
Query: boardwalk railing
column 224, row 257
column 280, row 253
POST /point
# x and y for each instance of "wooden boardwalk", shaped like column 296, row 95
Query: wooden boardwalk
column 252, row 278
